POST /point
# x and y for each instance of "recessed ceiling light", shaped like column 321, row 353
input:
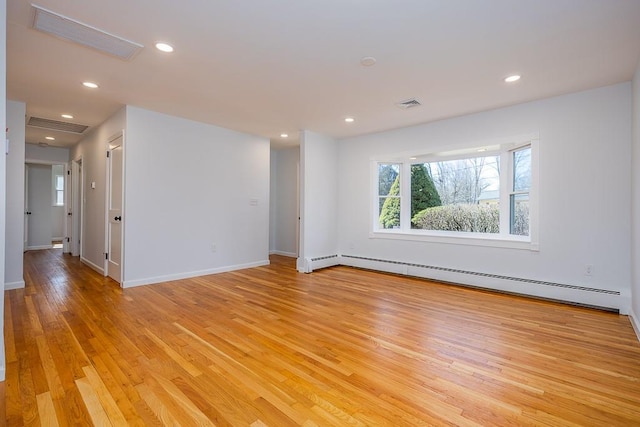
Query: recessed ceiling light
column 66, row 116
column 164, row 47
column 367, row 61
column 349, row 119
column 91, row 85
column 284, row 135
column 481, row 150
column 512, row 79
column 412, row 158
column 50, row 138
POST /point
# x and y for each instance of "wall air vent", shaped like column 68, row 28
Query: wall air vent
column 408, row 103
column 72, row 30
column 39, row 122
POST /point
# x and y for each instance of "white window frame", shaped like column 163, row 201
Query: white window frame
column 503, row 239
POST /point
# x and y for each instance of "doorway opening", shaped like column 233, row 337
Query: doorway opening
column 45, row 223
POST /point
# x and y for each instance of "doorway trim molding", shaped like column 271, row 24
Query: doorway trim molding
column 77, row 206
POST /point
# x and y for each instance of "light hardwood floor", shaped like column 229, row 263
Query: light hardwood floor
column 270, row 346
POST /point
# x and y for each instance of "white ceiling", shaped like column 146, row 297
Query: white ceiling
column 268, row 67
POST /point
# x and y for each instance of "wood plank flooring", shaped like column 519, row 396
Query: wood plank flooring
column 271, row 347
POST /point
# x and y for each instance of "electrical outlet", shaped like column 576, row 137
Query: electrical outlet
column 588, row 270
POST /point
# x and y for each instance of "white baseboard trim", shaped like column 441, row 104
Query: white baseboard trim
column 3, row 373
column 287, row 254
column 92, row 265
column 188, row 275
column 39, row 248
column 14, row 285
column 592, row 297
column 635, row 322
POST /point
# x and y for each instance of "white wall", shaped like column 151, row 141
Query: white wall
column 584, row 209
column 318, row 198
column 189, row 186
column 284, row 201
column 635, row 250
column 13, row 275
column 3, row 170
column 93, row 150
column 50, row 155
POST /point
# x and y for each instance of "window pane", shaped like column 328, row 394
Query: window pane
column 519, row 224
column 522, row 169
column 424, row 194
column 59, row 182
column 387, row 175
column 389, row 214
column 59, row 198
column 389, row 195
column 466, row 196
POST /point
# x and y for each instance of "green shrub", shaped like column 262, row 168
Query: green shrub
column 390, row 212
column 471, row 218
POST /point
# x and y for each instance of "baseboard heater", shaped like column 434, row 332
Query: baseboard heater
column 307, row 265
column 311, row 264
column 362, row 262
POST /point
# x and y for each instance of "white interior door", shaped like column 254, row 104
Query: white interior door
column 114, row 207
column 39, row 215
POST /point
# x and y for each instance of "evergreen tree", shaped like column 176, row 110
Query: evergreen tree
column 390, row 212
column 423, row 191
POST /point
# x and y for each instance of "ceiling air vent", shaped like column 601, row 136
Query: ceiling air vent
column 408, row 103
column 72, row 30
column 39, row 122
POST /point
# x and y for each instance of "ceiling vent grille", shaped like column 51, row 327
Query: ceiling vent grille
column 408, row 103
column 39, row 122
column 69, row 29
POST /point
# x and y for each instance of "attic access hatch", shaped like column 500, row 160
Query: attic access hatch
column 69, row 29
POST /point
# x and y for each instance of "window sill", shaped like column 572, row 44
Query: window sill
column 459, row 238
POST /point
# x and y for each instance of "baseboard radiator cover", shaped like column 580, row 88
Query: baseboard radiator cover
column 308, row 264
column 603, row 299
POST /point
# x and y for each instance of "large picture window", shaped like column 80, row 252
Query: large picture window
column 477, row 193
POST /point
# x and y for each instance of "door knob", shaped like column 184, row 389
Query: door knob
column 117, row 218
